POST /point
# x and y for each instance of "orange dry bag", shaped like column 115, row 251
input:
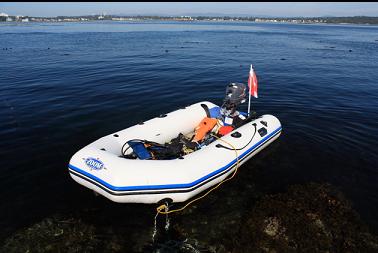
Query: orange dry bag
column 205, row 126
column 225, row 130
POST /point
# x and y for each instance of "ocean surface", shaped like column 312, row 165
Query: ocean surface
column 65, row 85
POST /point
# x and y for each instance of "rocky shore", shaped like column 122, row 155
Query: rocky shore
column 305, row 218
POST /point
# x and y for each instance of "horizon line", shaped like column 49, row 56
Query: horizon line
column 198, row 15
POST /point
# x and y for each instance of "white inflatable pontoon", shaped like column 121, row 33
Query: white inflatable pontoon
column 100, row 166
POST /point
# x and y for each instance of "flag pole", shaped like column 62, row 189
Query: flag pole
column 249, row 99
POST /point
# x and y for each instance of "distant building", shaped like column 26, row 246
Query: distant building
column 3, row 17
column 9, row 19
column 25, row 20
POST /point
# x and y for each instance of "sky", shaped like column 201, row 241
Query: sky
column 277, row 9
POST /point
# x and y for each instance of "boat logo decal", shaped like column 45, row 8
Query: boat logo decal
column 94, row 164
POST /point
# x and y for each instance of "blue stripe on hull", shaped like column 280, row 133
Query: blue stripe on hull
column 171, row 186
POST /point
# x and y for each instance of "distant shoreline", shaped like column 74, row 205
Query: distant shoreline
column 359, row 20
column 187, row 22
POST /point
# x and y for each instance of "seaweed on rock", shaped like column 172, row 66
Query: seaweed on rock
column 308, row 218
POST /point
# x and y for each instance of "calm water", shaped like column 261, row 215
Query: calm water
column 65, row 85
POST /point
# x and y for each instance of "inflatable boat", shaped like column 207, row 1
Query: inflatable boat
column 102, row 166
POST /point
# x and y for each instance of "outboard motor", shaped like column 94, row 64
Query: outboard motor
column 235, row 95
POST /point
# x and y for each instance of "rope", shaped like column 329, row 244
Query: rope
column 163, row 209
column 254, row 133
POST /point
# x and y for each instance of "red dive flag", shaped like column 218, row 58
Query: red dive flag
column 252, row 83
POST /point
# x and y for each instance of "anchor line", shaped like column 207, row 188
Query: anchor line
column 163, row 209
